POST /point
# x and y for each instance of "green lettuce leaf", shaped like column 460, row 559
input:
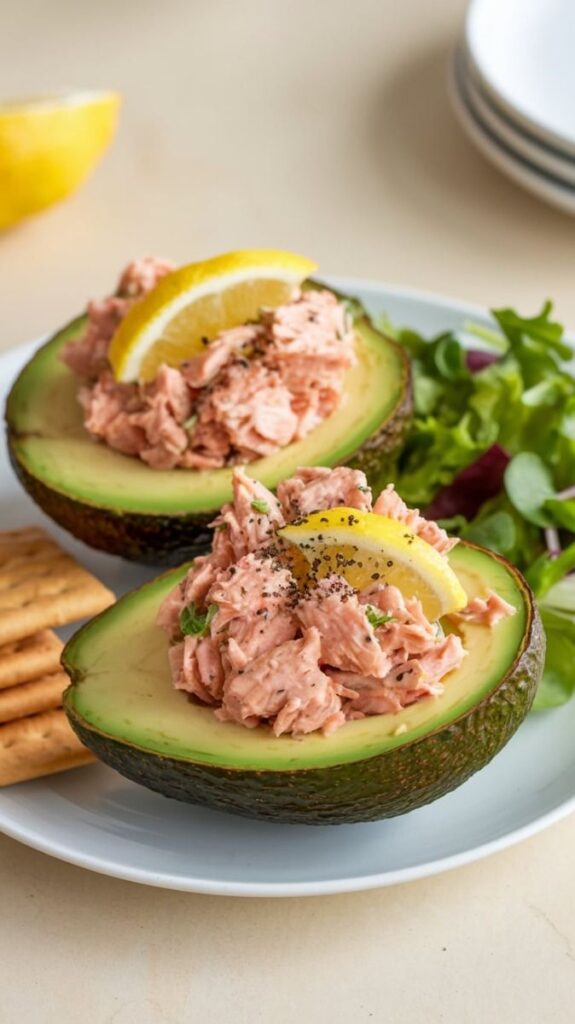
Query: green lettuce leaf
column 524, row 401
column 557, row 684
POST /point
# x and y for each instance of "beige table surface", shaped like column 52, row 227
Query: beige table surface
column 322, row 126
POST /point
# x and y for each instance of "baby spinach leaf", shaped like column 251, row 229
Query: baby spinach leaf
column 529, row 485
column 497, row 531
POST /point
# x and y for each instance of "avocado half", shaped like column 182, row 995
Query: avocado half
column 118, row 504
column 123, row 707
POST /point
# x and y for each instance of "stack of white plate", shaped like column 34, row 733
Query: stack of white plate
column 513, row 90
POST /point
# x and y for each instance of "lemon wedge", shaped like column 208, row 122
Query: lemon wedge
column 198, row 301
column 47, row 147
column 367, row 548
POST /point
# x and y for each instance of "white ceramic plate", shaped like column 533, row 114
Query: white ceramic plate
column 541, row 157
column 523, row 52
column 96, row 819
column 499, row 153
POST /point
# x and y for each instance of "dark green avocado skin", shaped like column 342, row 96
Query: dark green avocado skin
column 384, row 786
column 149, row 539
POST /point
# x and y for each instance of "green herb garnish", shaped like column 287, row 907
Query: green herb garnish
column 375, row 617
column 261, row 506
column 194, row 622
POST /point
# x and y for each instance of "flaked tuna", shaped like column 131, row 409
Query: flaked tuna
column 249, row 595
column 202, row 369
column 88, row 356
column 210, row 667
column 199, row 581
column 407, row 631
column 348, row 639
column 319, row 488
column 368, row 696
column 408, row 681
column 486, row 611
column 140, row 276
column 192, row 590
column 251, row 407
column 444, row 657
column 167, row 405
column 298, row 654
column 196, row 667
column 261, row 691
column 253, row 517
column 106, row 406
column 168, row 617
column 304, row 354
column 254, row 389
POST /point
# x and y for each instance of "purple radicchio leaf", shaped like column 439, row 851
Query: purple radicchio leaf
column 477, row 359
column 482, row 480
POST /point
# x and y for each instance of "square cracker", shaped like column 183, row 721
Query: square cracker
column 42, row 694
column 39, row 745
column 41, row 585
column 33, row 656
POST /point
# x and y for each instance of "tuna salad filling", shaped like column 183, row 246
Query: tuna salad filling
column 255, row 389
column 264, row 645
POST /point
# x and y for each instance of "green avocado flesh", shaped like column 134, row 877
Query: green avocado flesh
column 123, row 706
column 118, row 503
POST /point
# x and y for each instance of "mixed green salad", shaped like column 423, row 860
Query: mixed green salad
column 492, row 456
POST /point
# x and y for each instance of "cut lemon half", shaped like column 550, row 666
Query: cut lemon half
column 47, row 147
column 198, row 301
column 367, row 548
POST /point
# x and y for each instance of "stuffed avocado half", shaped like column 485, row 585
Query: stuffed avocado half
column 119, row 504
column 123, row 707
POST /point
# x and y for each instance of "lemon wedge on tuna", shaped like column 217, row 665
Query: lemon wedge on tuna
column 48, row 145
column 366, row 548
column 198, row 301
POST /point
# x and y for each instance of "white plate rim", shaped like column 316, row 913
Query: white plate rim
column 33, row 838
column 513, row 110
column 538, row 182
column 331, row 887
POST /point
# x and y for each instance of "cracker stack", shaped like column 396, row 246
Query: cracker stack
column 40, row 586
